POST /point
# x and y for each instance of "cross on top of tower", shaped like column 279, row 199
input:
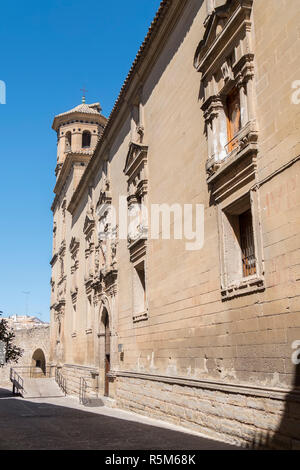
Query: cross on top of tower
column 84, row 92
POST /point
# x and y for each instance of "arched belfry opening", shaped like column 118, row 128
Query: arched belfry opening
column 39, row 360
column 68, row 141
column 86, row 139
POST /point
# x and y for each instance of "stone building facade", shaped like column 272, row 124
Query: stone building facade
column 208, row 116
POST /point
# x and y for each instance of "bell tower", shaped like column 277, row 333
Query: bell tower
column 78, row 131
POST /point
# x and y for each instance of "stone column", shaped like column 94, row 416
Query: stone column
column 243, row 105
column 94, row 139
column 76, row 141
column 250, row 98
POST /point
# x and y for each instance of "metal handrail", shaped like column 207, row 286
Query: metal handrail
column 33, row 371
column 60, row 380
column 17, row 381
column 233, row 143
column 82, row 391
column 29, row 371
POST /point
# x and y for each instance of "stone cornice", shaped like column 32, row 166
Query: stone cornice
column 106, row 279
column 211, row 48
column 246, row 143
column 54, row 203
column 53, row 260
column 136, row 155
column 62, row 248
column 71, row 116
column 71, row 159
column 89, row 224
column 59, row 306
column 138, row 247
column 74, row 246
column 91, row 369
column 161, row 28
column 246, row 389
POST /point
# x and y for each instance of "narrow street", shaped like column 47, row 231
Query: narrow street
column 62, row 423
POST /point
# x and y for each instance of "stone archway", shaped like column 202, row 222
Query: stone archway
column 105, row 320
column 38, row 360
column 104, row 346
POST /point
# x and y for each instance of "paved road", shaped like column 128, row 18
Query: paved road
column 61, row 423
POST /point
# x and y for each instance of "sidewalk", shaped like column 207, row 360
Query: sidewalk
column 62, row 423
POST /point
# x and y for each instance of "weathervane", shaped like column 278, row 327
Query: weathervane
column 84, row 92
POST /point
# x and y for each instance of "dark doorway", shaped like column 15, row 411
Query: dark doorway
column 107, row 354
column 39, row 360
column 86, row 139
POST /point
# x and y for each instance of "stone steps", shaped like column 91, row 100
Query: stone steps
column 41, row 387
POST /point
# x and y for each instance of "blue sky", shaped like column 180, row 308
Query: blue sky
column 49, row 51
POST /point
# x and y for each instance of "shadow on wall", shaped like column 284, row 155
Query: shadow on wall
column 174, row 42
column 287, row 435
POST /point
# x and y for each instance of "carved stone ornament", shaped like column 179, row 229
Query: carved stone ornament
column 74, row 247
column 136, row 157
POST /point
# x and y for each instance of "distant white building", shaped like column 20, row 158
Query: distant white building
column 20, row 322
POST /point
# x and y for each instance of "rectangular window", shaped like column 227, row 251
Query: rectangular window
column 139, row 289
column 240, row 247
column 233, row 118
column 247, row 244
column 74, row 319
column 238, row 239
column 88, row 313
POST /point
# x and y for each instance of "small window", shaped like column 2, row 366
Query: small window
column 139, row 289
column 86, row 139
column 238, row 242
column 73, row 319
column 89, row 313
column 68, row 141
column 247, row 244
column 233, row 118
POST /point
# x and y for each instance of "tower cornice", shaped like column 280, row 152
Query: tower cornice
column 82, row 112
column 72, row 159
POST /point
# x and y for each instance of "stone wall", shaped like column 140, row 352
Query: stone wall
column 252, row 417
column 29, row 340
column 73, row 374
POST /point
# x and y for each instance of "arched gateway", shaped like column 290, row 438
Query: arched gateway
column 39, row 360
column 105, row 320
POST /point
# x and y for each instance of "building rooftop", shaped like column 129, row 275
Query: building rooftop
column 92, row 110
column 19, row 322
column 84, row 108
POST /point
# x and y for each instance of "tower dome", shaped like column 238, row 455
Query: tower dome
column 78, row 130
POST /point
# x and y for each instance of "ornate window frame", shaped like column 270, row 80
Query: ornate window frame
column 61, row 256
column 74, row 250
column 106, row 270
column 136, row 170
column 88, row 230
column 225, row 59
column 233, row 285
